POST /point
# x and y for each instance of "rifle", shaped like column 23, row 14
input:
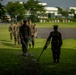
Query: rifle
column 40, row 55
column 44, row 48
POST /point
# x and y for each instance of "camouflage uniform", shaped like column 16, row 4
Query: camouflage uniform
column 32, row 28
column 16, row 33
column 11, row 30
column 35, row 28
column 30, row 42
column 24, row 34
column 56, row 42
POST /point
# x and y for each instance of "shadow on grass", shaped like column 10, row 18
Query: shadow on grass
column 14, row 64
column 8, row 44
column 5, row 40
column 47, row 67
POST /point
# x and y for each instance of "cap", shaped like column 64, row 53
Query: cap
column 55, row 26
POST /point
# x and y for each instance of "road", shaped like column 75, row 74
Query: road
column 67, row 33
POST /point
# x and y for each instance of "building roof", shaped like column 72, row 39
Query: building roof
column 72, row 8
column 44, row 4
column 51, row 8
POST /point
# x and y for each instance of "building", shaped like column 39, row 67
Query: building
column 51, row 11
column 74, row 8
column 72, row 15
column 43, row 4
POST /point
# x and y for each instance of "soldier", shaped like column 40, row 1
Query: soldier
column 35, row 28
column 32, row 28
column 30, row 42
column 24, row 35
column 56, row 43
column 11, row 30
column 21, row 22
column 16, row 33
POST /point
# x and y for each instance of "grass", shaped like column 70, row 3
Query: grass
column 13, row 63
column 61, row 25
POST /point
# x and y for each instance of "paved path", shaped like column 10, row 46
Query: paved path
column 67, row 33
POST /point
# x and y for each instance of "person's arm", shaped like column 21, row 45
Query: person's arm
column 48, row 39
column 47, row 42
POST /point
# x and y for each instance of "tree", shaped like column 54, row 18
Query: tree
column 34, row 8
column 72, row 11
column 60, row 10
column 15, row 9
column 2, row 11
column 63, row 12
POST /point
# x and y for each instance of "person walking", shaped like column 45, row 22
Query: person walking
column 36, row 31
column 32, row 29
column 24, row 35
column 10, row 29
column 16, row 29
column 56, row 43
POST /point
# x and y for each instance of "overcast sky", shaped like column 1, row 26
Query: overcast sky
column 52, row 3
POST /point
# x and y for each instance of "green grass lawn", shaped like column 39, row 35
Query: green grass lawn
column 61, row 25
column 13, row 63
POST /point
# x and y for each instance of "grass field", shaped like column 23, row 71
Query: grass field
column 13, row 63
column 61, row 25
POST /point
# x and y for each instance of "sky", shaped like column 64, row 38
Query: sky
column 52, row 3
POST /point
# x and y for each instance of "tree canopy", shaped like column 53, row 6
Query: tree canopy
column 2, row 10
column 63, row 12
column 15, row 9
column 34, row 7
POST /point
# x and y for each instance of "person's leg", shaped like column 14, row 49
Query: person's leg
column 33, row 43
column 58, row 55
column 29, row 44
column 11, row 36
column 15, row 39
column 54, row 54
column 19, row 41
column 23, row 47
column 26, row 45
column 54, row 57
